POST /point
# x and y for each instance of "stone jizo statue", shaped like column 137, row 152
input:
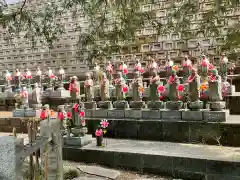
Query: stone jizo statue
column 24, row 97
column 61, row 73
column 154, row 83
column 109, row 71
column 88, row 88
column 104, row 88
column 74, row 88
column 173, row 82
column 214, row 82
column 36, row 94
column 137, row 84
column 194, row 81
column 119, row 83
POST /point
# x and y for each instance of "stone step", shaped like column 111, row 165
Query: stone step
column 226, row 134
column 187, row 161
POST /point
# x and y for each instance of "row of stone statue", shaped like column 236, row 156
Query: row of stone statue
column 208, row 84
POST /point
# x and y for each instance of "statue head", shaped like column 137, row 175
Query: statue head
column 204, row 56
column 74, row 78
column 87, row 76
column 119, row 74
column 38, row 68
column 137, row 61
column 17, row 70
column 122, row 62
column 104, row 75
column 35, row 85
column 224, row 78
column 24, row 88
column 194, row 71
column 137, row 74
column 49, row 68
column 109, row 62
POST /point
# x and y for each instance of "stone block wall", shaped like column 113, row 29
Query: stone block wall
column 7, row 125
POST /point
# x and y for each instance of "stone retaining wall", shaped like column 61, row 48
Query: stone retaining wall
column 7, row 125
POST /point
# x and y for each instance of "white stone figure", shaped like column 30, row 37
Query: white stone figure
column 24, row 96
column 39, row 72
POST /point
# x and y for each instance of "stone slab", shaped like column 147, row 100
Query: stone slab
column 19, row 113
column 215, row 116
column 88, row 113
column 78, row 141
column 151, row 114
column 135, row 114
column 88, row 178
column 173, row 158
column 32, row 113
column 99, row 171
column 116, row 113
column 60, row 94
column 171, row 114
column 100, row 113
column 192, row 115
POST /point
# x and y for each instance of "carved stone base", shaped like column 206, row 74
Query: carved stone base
column 155, row 105
column 36, row 106
column 121, row 104
column 105, row 105
column 195, row 106
column 60, row 94
column 137, row 104
column 217, row 106
column 79, row 131
column 90, row 105
column 78, row 141
column 32, row 113
column 174, row 105
column 18, row 113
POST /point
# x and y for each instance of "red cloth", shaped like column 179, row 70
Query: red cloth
column 60, row 116
column 43, row 115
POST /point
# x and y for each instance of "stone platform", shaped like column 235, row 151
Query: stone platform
column 210, row 116
column 187, row 161
column 213, row 133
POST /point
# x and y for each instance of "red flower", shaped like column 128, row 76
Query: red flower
column 43, row 115
column 75, row 107
column 83, row 122
column 161, row 98
column 52, row 76
column 180, row 87
column 204, row 63
column 69, row 115
column 60, row 116
column 190, row 78
column 125, row 71
column 142, row 70
column 171, row 79
column 213, row 78
column 179, row 97
column 210, row 66
column 82, row 114
column 98, row 132
column 160, row 88
column 125, row 89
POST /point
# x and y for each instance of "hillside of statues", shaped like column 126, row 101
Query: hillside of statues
column 108, row 93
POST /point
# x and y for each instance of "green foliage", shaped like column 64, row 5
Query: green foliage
column 112, row 23
column 70, row 173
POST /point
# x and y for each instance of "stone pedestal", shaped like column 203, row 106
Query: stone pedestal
column 36, row 106
column 90, row 105
column 195, row 106
column 217, row 106
column 60, row 94
column 121, row 104
column 78, row 141
column 171, row 114
column 174, row 105
column 32, row 113
column 155, row 105
column 79, row 131
column 19, row 113
column 105, row 104
column 192, row 115
column 137, row 104
column 215, row 116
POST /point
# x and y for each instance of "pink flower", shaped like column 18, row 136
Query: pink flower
column 161, row 97
column 125, row 89
column 60, row 116
column 98, row 132
column 69, row 115
column 180, row 87
column 29, row 77
column 83, row 122
column 51, row 76
column 82, row 114
column 104, row 123
column 212, row 78
column 210, row 66
column 171, row 79
column 125, row 71
column 179, row 97
column 142, row 70
column 160, row 88
column 190, row 78
column 204, row 63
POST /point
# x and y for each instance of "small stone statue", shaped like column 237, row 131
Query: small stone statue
column 50, row 77
column 173, row 83
column 122, row 66
column 223, row 65
column 226, row 87
column 88, row 88
column 168, row 66
column 138, row 66
column 18, row 77
column 104, row 88
column 154, row 83
column 194, row 82
column 137, row 84
column 109, row 71
column 28, row 76
column 119, row 83
column 215, row 92
column 97, row 73
column 24, row 97
column 36, row 96
column 153, row 65
column 61, row 73
column 39, row 76
column 74, row 89
column 8, row 78
column 187, row 67
column 214, row 83
column 204, row 67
